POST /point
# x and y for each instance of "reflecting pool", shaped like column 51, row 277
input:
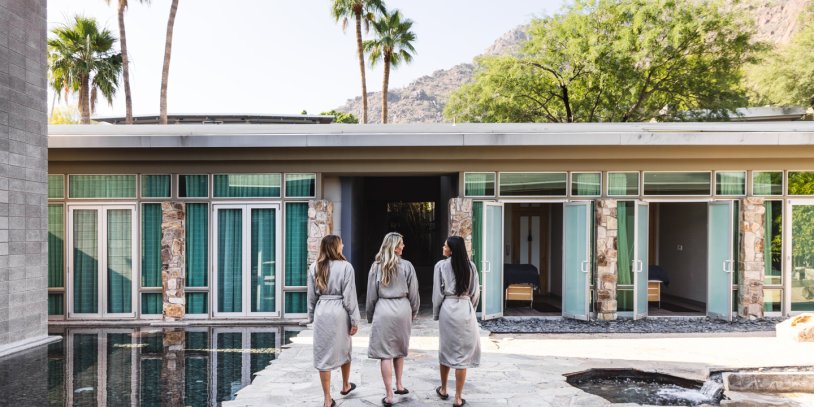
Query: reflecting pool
column 141, row 366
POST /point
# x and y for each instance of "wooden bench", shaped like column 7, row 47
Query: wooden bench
column 654, row 291
column 519, row 292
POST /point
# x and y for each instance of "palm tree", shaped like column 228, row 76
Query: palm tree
column 392, row 46
column 81, row 59
column 359, row 10
column 128, row 101
column 165, row 72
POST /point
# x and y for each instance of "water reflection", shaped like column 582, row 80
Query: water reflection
column 198, row 366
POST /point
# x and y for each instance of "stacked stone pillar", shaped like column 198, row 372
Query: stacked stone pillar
column 751, row 261
column 173, row 370
column 320, row 224
column 606, row 255
column 460, row 220
column 173, row 259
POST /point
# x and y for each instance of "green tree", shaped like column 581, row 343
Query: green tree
column 341, row 117
column 361, row 11
column 165, row 70
column 64, row 115
column 81, row 59
column 121, row 6
column 392, row 46
column 616, row 61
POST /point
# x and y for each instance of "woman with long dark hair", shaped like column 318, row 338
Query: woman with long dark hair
column 392, row 304
column 455, row 295
column 333, row 308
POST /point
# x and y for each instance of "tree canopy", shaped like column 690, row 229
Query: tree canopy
column 341, row 117
column 617, row 61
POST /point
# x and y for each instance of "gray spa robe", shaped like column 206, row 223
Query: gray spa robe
column 458, row 331
column 333, row 313
column 391, row 309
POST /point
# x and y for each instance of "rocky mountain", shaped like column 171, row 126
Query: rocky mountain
column 423, row 100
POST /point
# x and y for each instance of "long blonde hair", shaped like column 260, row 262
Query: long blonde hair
column 387, row 259
column 328, row 250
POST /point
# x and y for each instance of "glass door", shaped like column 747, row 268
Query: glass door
column 492, row 260
column 720, row 260
column 246, row 266
column 800, row 258
column 640, row 260
column 576, row 260
column 101, row 261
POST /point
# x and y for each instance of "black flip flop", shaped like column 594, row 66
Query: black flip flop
column 459, row 405
column 352, row 388
column 385, row 403
column 442, row 395
column 403, row 391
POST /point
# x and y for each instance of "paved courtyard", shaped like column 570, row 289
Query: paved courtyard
column 519, row 370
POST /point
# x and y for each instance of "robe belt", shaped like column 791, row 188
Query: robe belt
column 392, row 298
column 456, row 297
column 330, row 297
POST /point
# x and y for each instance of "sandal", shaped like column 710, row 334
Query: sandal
column 459, row 405
column 402, row 391
column 442, row 395
column 385, row 403
column 352, row 388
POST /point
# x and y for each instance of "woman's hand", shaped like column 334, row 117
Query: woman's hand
column 353, row 330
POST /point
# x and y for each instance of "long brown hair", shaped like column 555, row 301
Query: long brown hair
column 328, row 250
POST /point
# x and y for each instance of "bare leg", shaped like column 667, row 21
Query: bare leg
column 460, row 378
column 345, row 376
column 398, row 366
column 387, row 377
column 325, row 380
column 444, row 376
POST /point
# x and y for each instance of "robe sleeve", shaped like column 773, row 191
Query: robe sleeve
column 372, row 293
column 474, row 287
column 412, row 289
column 349, row 300
column 437, row 292
column 312, row 296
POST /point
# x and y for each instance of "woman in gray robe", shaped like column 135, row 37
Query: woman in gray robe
column 333, row 308
column 455, row 295
column 392, row 304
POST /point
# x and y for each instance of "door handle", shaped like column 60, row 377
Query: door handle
column 487, row 266
column 584, row 266
column 638, row 266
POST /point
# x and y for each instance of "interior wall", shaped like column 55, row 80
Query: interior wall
column 682, row 234
column 555, row 226
column 507, row 233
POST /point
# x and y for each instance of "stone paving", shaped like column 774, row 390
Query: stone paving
column 517, row 370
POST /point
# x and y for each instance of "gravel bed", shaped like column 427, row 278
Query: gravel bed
column 650, row 325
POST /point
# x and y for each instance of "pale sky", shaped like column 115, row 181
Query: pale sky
column 282, row 56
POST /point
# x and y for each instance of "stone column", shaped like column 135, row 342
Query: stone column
column 460, row 220
column 320, row 224
column 173, row 259
column 606, row 272
column 751, row 262
column 172, row 368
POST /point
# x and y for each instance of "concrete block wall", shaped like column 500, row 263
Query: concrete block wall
column 23, row 172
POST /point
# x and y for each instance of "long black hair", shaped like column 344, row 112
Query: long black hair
column 460, row 264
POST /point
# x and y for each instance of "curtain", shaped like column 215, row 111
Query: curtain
column 625, row 220
column 295, row 303
column 152, row 303
column 119, row 369
column 767, row 183
column 586, row 184
column 622, row 183
column 477, row 242
column 230, row 365
column 731, row 183
column 300, row 185
column 151, row 245
column 56, row 248
column 247, row 185
column 264, row 343
column 85, row 261
column 55, row 306
column 196, row 303
column 263, row 260
column 56, row 186
column 197, row 236
column 119, row 261
column 155, row 186
column 102, row 186
column 230, row 260
column 296, row 244
column 193, row 186
column 479, row 184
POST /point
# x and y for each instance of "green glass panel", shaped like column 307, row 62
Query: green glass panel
column 801, row 183
column 730, row 183
column 640, row 278
column 152, row 303
column 719, row 254
column 85, row 375
column 773, row 243
column 151, row 245
column 479, row 184
column 767, row 182
column 623, row 183
column 85, row 262
column 586, row 184
column 119, row 261
column 772, row 300
column 300, row 185
column 296, row 303
column 197, row 303
column 676, row 183
column 102, row 186
column 247, row 185
column 263, row 347
column 56, row 246
column 575, row 259
column 230, row 365
column 493, row 254
column 56, row 186
column 193, row 186
column 155, row 186
column 56, row 304
column 263, row 257
column 150, row 381
column 533, row 184
column 230, row 260
column 802, row 258
column 625, row 219
column 624, row 299
column 296, row 244
column 119, row 369
column 477, row 243
column 197, row 239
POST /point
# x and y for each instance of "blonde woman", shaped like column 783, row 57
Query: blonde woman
column 392, row 304
column 333, row 308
